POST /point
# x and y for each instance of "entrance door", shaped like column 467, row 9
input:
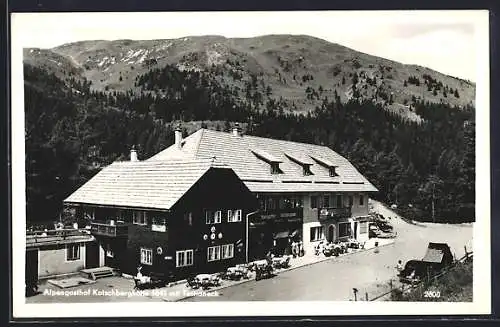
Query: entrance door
column 355, row 232
column 91, row 255
column 109, row 254
column 331, row 233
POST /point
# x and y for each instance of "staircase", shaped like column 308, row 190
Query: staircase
column 96, row 273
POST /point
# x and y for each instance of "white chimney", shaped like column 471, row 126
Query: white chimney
column 236, row 129
column 133, row 154
column 178, row 137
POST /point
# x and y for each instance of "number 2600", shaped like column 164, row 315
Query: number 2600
column 432, row 294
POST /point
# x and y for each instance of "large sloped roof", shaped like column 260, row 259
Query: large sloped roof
column 239, row 152
column 143, row 184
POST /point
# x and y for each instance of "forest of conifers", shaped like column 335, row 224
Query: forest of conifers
column 72, row 132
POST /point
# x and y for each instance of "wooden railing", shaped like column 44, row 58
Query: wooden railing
column 36, row 238
column 104, row 229
column 334, row 213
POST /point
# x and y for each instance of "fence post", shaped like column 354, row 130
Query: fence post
column 366, row 296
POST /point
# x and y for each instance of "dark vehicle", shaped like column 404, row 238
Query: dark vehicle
column 384, row 226
column 437, row 257
column 264, row 271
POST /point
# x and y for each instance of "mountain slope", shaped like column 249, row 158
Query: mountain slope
column 300, row 71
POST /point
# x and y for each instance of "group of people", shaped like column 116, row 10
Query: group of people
column 297, row 249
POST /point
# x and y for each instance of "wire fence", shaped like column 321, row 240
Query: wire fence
column 420, row 286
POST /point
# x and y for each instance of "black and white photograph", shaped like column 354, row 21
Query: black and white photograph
column 261, row 163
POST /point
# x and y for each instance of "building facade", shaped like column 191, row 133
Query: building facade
column 59, row 252
column 173, row 218
column 305, row 192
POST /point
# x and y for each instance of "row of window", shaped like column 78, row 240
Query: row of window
column 306, row 170
column 267, row 202
column 215, row 217
column 212, row 217
column 219, row 252
column 185, row 258
column 318, row 233
column 289, row 202
column 335, row 201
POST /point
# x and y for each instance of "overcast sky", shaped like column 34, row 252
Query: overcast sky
column 441, row 40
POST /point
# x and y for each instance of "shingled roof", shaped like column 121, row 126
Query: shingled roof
column 238, row 152
column 143, row 184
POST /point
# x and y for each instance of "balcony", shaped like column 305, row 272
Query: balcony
column 103, row 229
column 334, row 213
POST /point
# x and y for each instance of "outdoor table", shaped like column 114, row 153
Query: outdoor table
column 279, row 259
column 261, row 263
column 203, row 277
column 233, row 269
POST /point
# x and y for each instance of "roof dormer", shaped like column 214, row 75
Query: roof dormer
column 332, row 168
column 303, row 161
column 270, row 159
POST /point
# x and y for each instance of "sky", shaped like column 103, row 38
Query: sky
column 442, row 40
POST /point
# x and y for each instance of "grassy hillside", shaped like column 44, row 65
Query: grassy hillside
column 300, row 70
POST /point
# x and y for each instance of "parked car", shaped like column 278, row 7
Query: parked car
column 384, row 226
column 437, row 257
column 374, row 231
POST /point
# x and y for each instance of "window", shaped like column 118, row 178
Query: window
column 314, row 202
column 339, row 201
column 275, row 168
column 271, row 203
column 326, row 201
column 297, row 201
column 73, row 252
column 307, row 170
column 188, row 218
column 213, row 253
column 227, row 251
column 281, row 203
column 351, row 200
column 89, row 214
column 317, row 233
column 363, row 227
column 140, row 218
column 127, row 215
column 344, row 229
column 262, row 203
column 146, row 256
column 233, row 216
column 213, row 217
column 184, row 258
column 332, row 171
column 361, row 200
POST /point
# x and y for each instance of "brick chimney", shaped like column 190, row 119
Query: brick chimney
column 236, row 129
column 178, row 136
column 133, row 154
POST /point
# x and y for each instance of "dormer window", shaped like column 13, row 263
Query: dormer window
column 275, row 168
column 302, row 161
column 307, row 170
column 273, row 161
column 327, row 164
